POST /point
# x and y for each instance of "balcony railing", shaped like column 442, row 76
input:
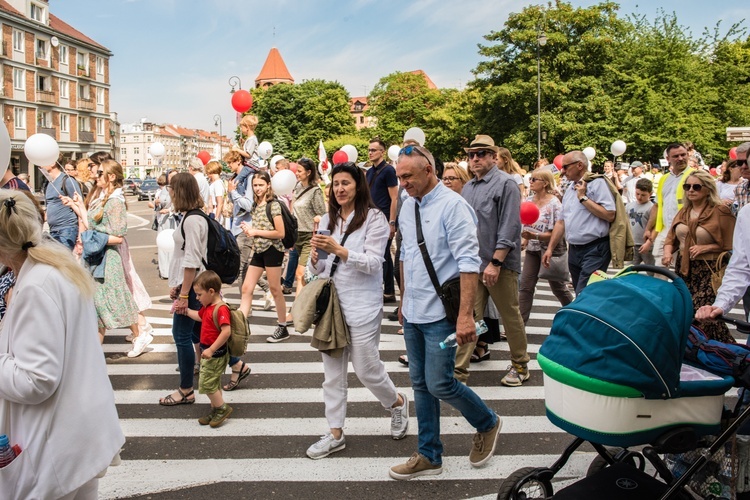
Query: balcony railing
column 85, row 136
column 86, row 104
column 83, row 71
column 45, row 96
column 45, row 130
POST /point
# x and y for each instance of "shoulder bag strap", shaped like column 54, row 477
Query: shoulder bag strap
column 375, row 177
column 308, row 188
column 425, row 255
column 337, row 259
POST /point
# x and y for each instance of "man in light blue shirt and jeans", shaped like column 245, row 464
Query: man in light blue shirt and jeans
column 450, row 233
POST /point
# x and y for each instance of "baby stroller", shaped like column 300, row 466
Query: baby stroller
column 614, row 377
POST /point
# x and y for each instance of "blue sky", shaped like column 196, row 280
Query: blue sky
column 173, row 58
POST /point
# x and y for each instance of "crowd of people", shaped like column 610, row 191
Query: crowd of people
column 453, row 226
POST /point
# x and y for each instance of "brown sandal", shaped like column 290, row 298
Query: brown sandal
column 170, row 401
column 243, row 374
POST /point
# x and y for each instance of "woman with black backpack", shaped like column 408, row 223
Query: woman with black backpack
column 268, row 251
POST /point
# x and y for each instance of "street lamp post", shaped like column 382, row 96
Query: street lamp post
column 217, row 122
column 237, row 82
column 541, row 40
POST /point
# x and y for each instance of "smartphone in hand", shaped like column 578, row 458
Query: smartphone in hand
column 322, row 254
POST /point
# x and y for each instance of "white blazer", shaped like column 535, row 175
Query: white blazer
column 56, row 400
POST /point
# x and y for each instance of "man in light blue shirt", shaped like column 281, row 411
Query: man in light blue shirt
column 62, row 220
column 450, row 236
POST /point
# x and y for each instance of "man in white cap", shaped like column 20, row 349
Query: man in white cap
column 628, row 190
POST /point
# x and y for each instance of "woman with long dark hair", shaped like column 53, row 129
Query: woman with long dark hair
column 359, row 283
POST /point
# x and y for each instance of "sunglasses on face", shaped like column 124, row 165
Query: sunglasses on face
column 694, row 187
column 478, row 154
column 534, row 179
column 100, row 173
column 741, row 163
column 566, row 165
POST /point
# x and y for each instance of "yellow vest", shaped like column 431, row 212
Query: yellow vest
column 660, row 196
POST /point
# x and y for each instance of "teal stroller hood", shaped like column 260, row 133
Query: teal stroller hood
column 629, row 331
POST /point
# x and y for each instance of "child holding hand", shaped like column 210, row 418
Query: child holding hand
column 213, row 343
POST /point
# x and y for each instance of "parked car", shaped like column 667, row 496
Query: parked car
column 147, row 190
column 130, row 185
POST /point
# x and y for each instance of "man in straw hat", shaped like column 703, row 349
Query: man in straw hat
column 495, row 197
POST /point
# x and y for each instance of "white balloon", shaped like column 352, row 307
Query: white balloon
column 283, row 182
column 157, row 150
column 41, row 150
column 265, row 150
column 351, row 152
column 618, row 148
column 415, row 134
column 4, row 150
column 393, row 152
column 165, row 241
column 274, row 160
column 589, row 152
column 463, row 164
column 589, row 165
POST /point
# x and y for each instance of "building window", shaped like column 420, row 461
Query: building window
column 136, row 138
column 136, row 150
column 43, row 83
column 100, row 95
column 36, row 13
column 123, row 139
column 83, row 124
column 136, row 161
column 99, row 126
column 63, row 54
column 18, row 40
column 20, row 117
column 64, row 122
column 148, row 138
column 44, row 119
column 123, row 151
column 42, row 49
column 99, row 65
column 82, row 60
column 64, row 89
column 19, row 79
column 83, row 92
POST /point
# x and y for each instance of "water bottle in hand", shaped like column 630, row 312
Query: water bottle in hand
column 450, row 340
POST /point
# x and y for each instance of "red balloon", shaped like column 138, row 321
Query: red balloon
column 242, row 101
column 558, row 161
column 340, row 157
column 733, row 153
column 529, row 213
column 712, row 171
column 204, row 156
column 293, row 167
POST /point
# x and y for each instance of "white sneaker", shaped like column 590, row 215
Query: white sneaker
column 400, row 419
column 139, row 344
column 142, row 329
column 267, row 301
column 325, row 446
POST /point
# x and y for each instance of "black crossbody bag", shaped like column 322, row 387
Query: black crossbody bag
column 324, row 297
column 450, row 291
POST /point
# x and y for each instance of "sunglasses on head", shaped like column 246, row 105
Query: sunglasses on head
column 408, row 150
column 478, row 154
column 694, row 187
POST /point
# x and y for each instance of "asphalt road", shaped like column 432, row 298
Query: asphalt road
column 260, row 451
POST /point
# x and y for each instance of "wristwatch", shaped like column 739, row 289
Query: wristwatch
column 496, row 263
column 583, row 199
column 392, row 222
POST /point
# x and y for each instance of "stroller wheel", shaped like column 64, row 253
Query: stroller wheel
column 523, row 484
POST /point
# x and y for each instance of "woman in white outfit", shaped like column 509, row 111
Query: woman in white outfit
column 359, row 283
column 54, row 389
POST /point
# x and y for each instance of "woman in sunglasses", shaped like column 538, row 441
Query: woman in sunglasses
column 701, row 230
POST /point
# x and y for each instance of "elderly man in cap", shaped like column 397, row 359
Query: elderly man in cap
column 495, row 197
column 628, row 190
column 588, row 209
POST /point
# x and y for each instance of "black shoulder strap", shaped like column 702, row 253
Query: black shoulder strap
column 63, row 186
column 425, row 254
column 337, row 259
column 182, row 225
column 308, row 188
column 268, row 210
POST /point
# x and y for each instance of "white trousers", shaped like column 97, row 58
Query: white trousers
column 365, row 357
column 89, row 491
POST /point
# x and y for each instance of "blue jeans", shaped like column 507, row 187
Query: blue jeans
column 431, row 373
column 291, row 268
column 65, row 235
column 583, row 260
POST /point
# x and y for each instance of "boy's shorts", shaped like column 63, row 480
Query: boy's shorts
column 211, row 372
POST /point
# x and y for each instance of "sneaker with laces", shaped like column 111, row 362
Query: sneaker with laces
column 267, row 301
column 206, row 419
column 220, row 414
column 516, row 376
column 483, row 444
column 416, row 466
column 400, row 419
column 279, row 335
column 139, row 344
column 325, row 446
column 147, row 328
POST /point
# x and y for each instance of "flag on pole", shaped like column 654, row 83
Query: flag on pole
column 323, row 166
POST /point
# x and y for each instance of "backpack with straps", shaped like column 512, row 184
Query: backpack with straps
column 290, row 223
column 223, row 253
column 240, row 330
